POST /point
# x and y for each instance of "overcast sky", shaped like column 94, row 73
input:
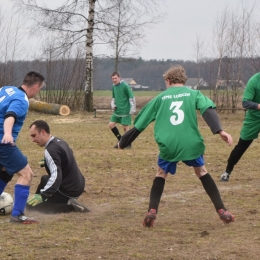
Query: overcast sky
column 175, row 37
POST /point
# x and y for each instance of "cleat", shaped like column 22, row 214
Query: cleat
column 77, row 206
column 224, row 177
column 116, row 146
column 149, row 218
column 22, row 219
column 225, row 216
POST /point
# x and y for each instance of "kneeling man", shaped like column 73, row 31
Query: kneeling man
column 59, row 190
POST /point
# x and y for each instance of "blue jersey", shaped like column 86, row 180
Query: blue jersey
column 13, row 101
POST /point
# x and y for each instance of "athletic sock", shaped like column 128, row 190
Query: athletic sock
column 116, row 133
column 212, row 190
column 156, row 193
column 2, row 186
column 21, row 193
column 237, row 153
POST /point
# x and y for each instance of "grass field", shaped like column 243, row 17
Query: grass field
column 108, row 93
column 117, row 191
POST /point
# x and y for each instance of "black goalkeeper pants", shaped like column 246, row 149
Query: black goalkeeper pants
column 237, row 153
column 57, row 203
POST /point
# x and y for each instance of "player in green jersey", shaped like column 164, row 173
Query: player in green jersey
column 251, row 125
column 123, row 104
column 177, row 135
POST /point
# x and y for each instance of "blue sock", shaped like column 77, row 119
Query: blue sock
column 21, row 194
column 2, row 186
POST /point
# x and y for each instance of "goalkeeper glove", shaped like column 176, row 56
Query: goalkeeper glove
column 42, row 163
column 34, row 200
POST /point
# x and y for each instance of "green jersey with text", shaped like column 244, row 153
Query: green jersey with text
column 176, row 127
column 121, row 93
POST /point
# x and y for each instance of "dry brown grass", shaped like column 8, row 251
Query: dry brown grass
column 117, row 191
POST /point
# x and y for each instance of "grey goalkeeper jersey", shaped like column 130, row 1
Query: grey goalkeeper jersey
column 63, row 170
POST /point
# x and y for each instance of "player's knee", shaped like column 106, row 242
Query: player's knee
column 126, row 128
column 26, row 174
column 111, row 125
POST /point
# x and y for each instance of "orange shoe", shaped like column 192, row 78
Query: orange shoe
column 225, row 216
column 149, row 218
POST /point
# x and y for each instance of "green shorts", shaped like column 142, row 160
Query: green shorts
column 124, row 120
column 250, row 130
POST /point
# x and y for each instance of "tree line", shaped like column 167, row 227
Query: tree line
column 69, row 32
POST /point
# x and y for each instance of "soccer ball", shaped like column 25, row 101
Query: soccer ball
column 6, row 203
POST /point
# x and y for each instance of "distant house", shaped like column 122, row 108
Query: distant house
column 133, row 84
column 230, row 84
column 196, row 83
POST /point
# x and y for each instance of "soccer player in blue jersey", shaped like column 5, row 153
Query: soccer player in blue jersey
column 14, row 104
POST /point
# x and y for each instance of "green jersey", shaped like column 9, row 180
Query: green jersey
column 122, row 93
column 251, row 125
column 252, row 93
column 176, row 127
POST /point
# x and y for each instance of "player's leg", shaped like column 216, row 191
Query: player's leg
column 16, row 162
column 57, row 203
column 21, row 194
column 112, row 125
column 126, row 122
column 157, row 189
column 234, row 157
column 248, row 133
column 4, row 178
column 210, row 187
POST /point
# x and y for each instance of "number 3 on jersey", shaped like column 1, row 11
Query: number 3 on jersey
column 178, row 115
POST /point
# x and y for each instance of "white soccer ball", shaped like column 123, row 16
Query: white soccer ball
column 6, row 203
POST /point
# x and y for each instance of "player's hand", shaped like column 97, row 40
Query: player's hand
column 226, row 137
column 34, row 200
column 8, row 139
column 132, row 111
column 42, row 163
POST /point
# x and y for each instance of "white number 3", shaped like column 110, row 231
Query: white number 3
column 178, row 114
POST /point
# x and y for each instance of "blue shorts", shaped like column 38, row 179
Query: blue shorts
column 171, row 166
column 12, row 158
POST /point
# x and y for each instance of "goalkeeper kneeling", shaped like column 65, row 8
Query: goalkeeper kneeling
column 58, row 191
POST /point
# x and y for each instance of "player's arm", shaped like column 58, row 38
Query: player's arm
column 8, row 127
column 128, row 137
column 53, row 166
column 211, row 118
column 248, row 104
column 113, row 100
column 113, row 104
column 132, row 105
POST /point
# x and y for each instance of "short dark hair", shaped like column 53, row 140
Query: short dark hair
column 41, row 124
column 115, row 73
column 32, row 78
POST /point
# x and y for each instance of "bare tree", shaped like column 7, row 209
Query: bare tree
column 10, row 46
column 220, row 40
column 75, row 22
column 124, row 26
column 200, row 49
column 231, row 36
